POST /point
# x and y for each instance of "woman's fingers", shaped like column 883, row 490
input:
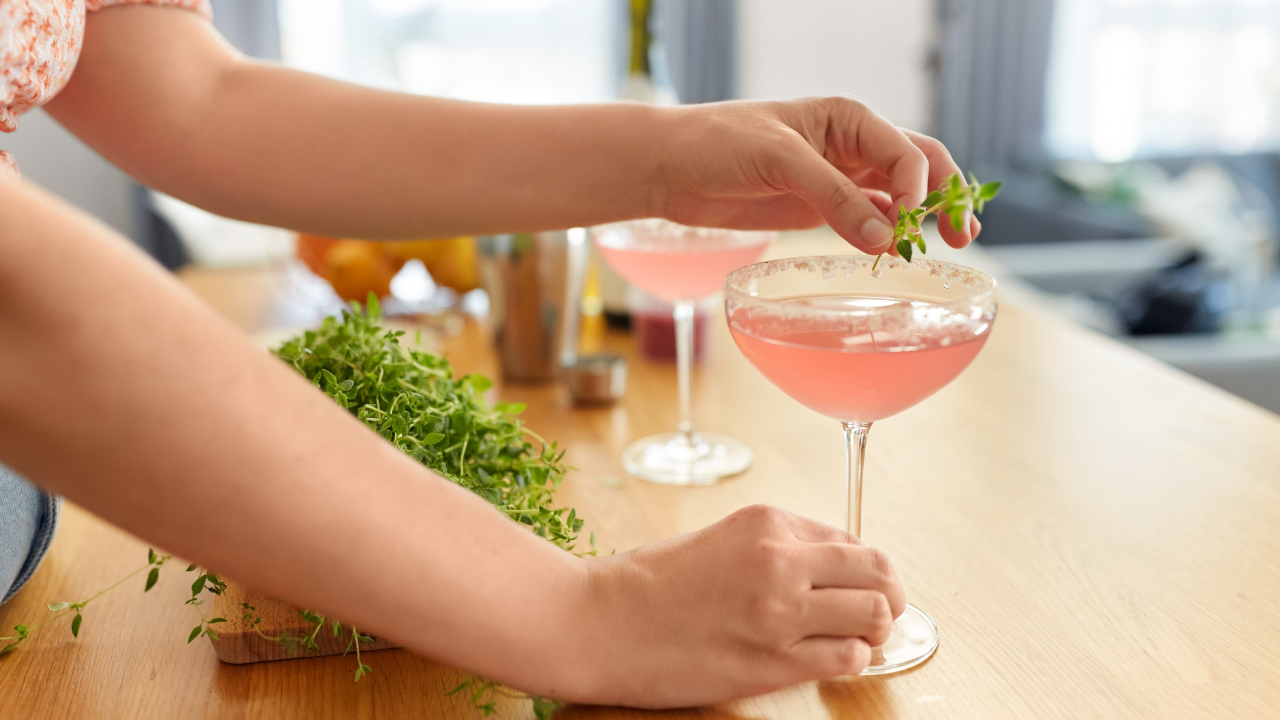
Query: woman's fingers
column 801, row 170
column 828, row 657
column 840, row 565
column 836, row 612
column 942, row 165
column 860, row 136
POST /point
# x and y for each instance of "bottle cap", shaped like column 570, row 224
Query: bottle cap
column 597, row 379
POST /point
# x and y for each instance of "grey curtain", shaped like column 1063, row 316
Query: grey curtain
column 992, row 60
column 989, row 106
column 700, row 38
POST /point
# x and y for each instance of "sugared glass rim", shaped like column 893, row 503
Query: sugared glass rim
column 986, row 289
column 677, row 233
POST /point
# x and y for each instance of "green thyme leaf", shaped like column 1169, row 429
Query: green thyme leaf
column 75, row 625
column 543, row 708
column 152, row 577
column 59, row 606
column 195, row 633
column 478, row 383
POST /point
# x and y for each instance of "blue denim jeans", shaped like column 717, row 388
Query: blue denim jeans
column 28, row 519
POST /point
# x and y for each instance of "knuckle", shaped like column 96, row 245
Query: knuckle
column 844, row 198
column 771, row 623
column 846, row 103
column 766, row 517
column 850, row 657
column 880, row 565
column 932, row 143
column 770, row 620
column 879, row 619
column 772, row 561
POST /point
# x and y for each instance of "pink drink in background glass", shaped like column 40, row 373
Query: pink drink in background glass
column 677, row 274
column 843, row 374
column 679, row 264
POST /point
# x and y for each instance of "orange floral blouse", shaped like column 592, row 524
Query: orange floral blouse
column 40, row 43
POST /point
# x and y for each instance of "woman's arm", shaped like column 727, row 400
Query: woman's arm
column 159, row 94
column 122, row 391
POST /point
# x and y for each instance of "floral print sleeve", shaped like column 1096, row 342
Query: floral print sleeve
column 40, row 41
column 199, row 6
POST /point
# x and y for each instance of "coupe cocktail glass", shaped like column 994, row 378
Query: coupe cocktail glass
column 859, row 346
column 681, row 264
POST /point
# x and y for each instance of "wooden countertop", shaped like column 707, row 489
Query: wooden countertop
column 1095, row 534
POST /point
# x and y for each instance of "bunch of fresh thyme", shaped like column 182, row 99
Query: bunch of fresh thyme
column 412, row 399
column 953, row 198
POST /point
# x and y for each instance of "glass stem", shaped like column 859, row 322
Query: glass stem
column 855, row 449
column 684, row 363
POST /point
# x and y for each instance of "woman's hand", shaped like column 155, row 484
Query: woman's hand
column 797, row 164
column 758, row 601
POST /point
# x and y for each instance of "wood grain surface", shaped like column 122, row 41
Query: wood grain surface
column 1096, row 535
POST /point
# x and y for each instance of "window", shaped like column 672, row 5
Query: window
column 514, row 51
column 1146, row 78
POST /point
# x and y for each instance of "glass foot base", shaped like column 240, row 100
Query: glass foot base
column 679, row 459
column 914, row 639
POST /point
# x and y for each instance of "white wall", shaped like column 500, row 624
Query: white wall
column 53, row 158
column 876, row 50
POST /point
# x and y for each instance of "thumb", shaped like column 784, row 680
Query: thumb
column 802, row 171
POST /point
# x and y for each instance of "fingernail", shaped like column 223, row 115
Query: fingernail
column 876, row 234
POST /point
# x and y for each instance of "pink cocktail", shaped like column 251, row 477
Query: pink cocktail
column 860, row 346
column 681, row 264
column 856, row 376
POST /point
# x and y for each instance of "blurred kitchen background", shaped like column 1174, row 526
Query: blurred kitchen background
column 1137, row 140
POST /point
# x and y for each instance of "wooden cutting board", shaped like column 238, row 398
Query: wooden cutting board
column 239, row 643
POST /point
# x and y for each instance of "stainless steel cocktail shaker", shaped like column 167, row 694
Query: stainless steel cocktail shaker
column 534, row 281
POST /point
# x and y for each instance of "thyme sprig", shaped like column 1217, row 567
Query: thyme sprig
column 75, row 609
column 953, row 198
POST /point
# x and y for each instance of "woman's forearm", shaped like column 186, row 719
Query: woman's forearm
column 121, row 391
column 160, row 95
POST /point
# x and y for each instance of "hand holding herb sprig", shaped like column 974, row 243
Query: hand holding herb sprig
column 952, row 199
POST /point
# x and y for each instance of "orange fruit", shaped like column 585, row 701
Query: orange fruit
column 452, row 262
column 356, row 268
column 312, row 250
